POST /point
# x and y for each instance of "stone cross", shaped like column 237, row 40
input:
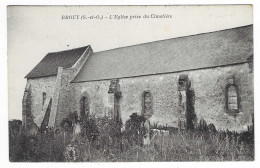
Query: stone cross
column 183, row 87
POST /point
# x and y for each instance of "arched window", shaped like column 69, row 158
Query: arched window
column 232, row 101
column 147, row 104
column 84, row 106
column 43, row 98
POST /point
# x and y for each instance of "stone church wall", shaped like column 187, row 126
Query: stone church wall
column 38, row 86
column 208, row 84
column 68, row 74
column 64, row 96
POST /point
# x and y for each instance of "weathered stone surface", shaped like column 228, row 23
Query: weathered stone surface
column 65, row 90
column 38, row 86
column 26, row 113
column 208, row 85
column 56, row 87
column 39, row 117
column 56, row 95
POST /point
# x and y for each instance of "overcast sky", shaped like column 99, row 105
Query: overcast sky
column 35, row 31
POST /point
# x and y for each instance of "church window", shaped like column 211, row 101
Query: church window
column 43, row 98
column 84, row 106
column 232, row 103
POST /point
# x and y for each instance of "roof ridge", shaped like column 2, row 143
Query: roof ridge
column 191, row 52
column 174, row 38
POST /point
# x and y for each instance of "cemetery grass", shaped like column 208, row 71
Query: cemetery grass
column 178, row 146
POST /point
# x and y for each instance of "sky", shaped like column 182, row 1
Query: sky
column 34, row 31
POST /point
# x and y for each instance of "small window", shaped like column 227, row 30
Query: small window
column 84, row 106
column 43, row 98
column 232, row 98
column 232, row 103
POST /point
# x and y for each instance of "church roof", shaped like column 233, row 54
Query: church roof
column 230, row 46
column 50, row 63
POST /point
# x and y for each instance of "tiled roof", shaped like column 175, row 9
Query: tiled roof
column 218, row 48
column 50, row 63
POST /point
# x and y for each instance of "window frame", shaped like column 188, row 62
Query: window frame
column 44, row 96
column 228, row 111
column 82, row 104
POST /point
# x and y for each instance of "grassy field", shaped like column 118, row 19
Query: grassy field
column 185, row 146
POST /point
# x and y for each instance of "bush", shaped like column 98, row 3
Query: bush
column 105, row 142
column 134, row 130
column 90, row 128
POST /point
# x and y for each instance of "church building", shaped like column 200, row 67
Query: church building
column 171, row 82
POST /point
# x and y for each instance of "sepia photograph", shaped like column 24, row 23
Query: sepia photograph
column 130, row 83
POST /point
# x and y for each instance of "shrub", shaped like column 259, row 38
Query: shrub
column 66, row 125
column 197, row 145
column 202, row 126
column 90, row 128
column 134, row 130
